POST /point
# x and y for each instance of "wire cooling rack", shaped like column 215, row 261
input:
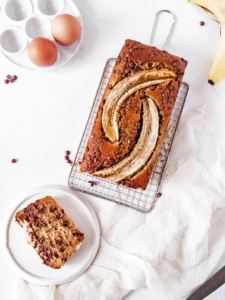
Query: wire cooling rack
column 140, row 200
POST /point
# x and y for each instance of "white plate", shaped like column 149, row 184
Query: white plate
column 24, row 260
column 32, row 25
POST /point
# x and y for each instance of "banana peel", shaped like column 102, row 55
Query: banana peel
column 217, row 8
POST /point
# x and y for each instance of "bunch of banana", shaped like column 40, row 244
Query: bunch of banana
column 217, row 8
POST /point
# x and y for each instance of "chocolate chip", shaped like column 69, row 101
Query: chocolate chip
column 118, row 153
column 13, row 160
column 65, row 223
column 160, row 66
column 93, row 183
column 78, row 234
column 149, row 171
column 127, row 183
column 142, row 94
column 6, row 81
column 122, row 146
column 202, row 23
column 159, row 195
column 67, row 152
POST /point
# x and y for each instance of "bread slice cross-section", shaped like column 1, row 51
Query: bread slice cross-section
column 49, row 231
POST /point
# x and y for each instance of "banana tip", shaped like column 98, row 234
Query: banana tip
column 210, row 81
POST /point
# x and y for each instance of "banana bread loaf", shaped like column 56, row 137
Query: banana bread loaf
column 132, row 118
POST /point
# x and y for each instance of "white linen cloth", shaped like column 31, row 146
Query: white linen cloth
column 175, row 247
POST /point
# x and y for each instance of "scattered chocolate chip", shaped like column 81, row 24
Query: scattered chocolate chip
column 202, row 23
column 11, row 80
column 14, row 77
column 6, row 81
column 8, row 76
column 66, row 157
column 93, row 183
column 67, row 152
column 68, row 161
column 13, row 160
column 159, row 195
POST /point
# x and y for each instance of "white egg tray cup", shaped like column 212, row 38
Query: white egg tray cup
column 21, row 21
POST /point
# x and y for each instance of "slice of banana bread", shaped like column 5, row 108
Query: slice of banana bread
column 49, row 231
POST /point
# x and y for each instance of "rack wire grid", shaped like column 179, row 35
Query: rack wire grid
column 137, row 199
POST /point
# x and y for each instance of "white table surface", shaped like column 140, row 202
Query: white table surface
column 44, row 114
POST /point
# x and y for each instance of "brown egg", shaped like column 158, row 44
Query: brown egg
column 65, row 29
column 42, row 52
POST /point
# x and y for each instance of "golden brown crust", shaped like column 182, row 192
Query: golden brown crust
column 51, row 232
column 101, row 153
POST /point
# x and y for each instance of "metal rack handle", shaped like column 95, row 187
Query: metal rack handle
column 155, row 24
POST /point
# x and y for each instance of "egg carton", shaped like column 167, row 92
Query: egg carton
column 21, row 21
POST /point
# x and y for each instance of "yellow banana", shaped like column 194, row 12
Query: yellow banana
column 217, row 8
